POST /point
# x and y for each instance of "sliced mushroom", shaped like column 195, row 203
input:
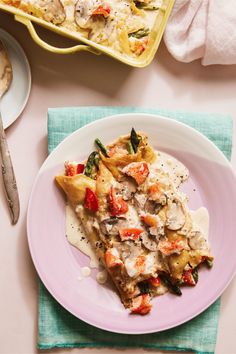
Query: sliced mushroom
column 111, row 226
column 83, row 13
column 186, row 229
column 129, row 249
column 197, row 241
column 53, row 11
column 160, row 199
column 152, row 207
column 175, row 217
column 149, row 242
column 140, row 200
column 128, row 188
column 157, row 231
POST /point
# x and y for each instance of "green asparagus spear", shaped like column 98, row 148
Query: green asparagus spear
column 101, row 147
column 130, row 148
column 91, row 167
column 142, row 32
column 209, row 263
column 148, row 7
column 135, row 140
column 144, row 287
column 195, row 274
column 174, row 288
column 96, row 161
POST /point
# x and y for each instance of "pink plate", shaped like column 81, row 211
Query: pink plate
column 212, row 184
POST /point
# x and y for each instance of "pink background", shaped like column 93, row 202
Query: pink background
column 85, row 79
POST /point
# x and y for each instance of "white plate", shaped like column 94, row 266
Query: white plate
column 212, row 184
column 14, row 101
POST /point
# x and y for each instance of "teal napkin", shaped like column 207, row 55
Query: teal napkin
column 56, row 326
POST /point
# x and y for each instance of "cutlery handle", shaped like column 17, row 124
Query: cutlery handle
column 9, row 177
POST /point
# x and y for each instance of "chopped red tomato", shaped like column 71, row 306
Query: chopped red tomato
column 102, row 10
column 141, row 304
column 112, row 258
column 188, row 277
column 208, row 261
column 138, row 45
column 138, row 170
column 130, row 234
column 141, row 46
column 72, row 168
column 117, row 204
column 90, row 200
column 80, row 168
column 154, row 281
column 168, row 247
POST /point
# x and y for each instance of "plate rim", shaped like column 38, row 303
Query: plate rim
column 50, row 156
column 11, row 38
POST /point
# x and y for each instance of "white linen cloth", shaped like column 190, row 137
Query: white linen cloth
column 202, row 29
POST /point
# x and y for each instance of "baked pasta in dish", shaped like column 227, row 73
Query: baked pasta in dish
column 123, row 25
column 136, row 219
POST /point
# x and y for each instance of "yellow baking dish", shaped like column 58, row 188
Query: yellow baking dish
column 87, row 45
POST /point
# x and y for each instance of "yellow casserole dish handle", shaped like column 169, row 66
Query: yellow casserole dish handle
column 50, row 48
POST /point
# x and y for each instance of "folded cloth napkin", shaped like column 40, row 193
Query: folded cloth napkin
column 202, row 29
column 56, row 326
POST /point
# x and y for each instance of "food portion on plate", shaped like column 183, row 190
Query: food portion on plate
column 134, row 215
column 123, row 25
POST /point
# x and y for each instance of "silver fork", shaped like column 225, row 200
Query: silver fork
column 7, row 168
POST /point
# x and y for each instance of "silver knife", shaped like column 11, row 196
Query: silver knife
column 7, row 167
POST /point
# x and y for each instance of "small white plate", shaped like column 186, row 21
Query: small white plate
column 14, row 101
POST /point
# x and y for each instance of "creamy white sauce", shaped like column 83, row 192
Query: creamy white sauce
column 178, row 173
column 200, row 218
column 77, row 237
column 101, row 277
column 85, row 271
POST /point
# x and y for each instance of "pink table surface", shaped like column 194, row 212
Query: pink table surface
column 85, row 79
